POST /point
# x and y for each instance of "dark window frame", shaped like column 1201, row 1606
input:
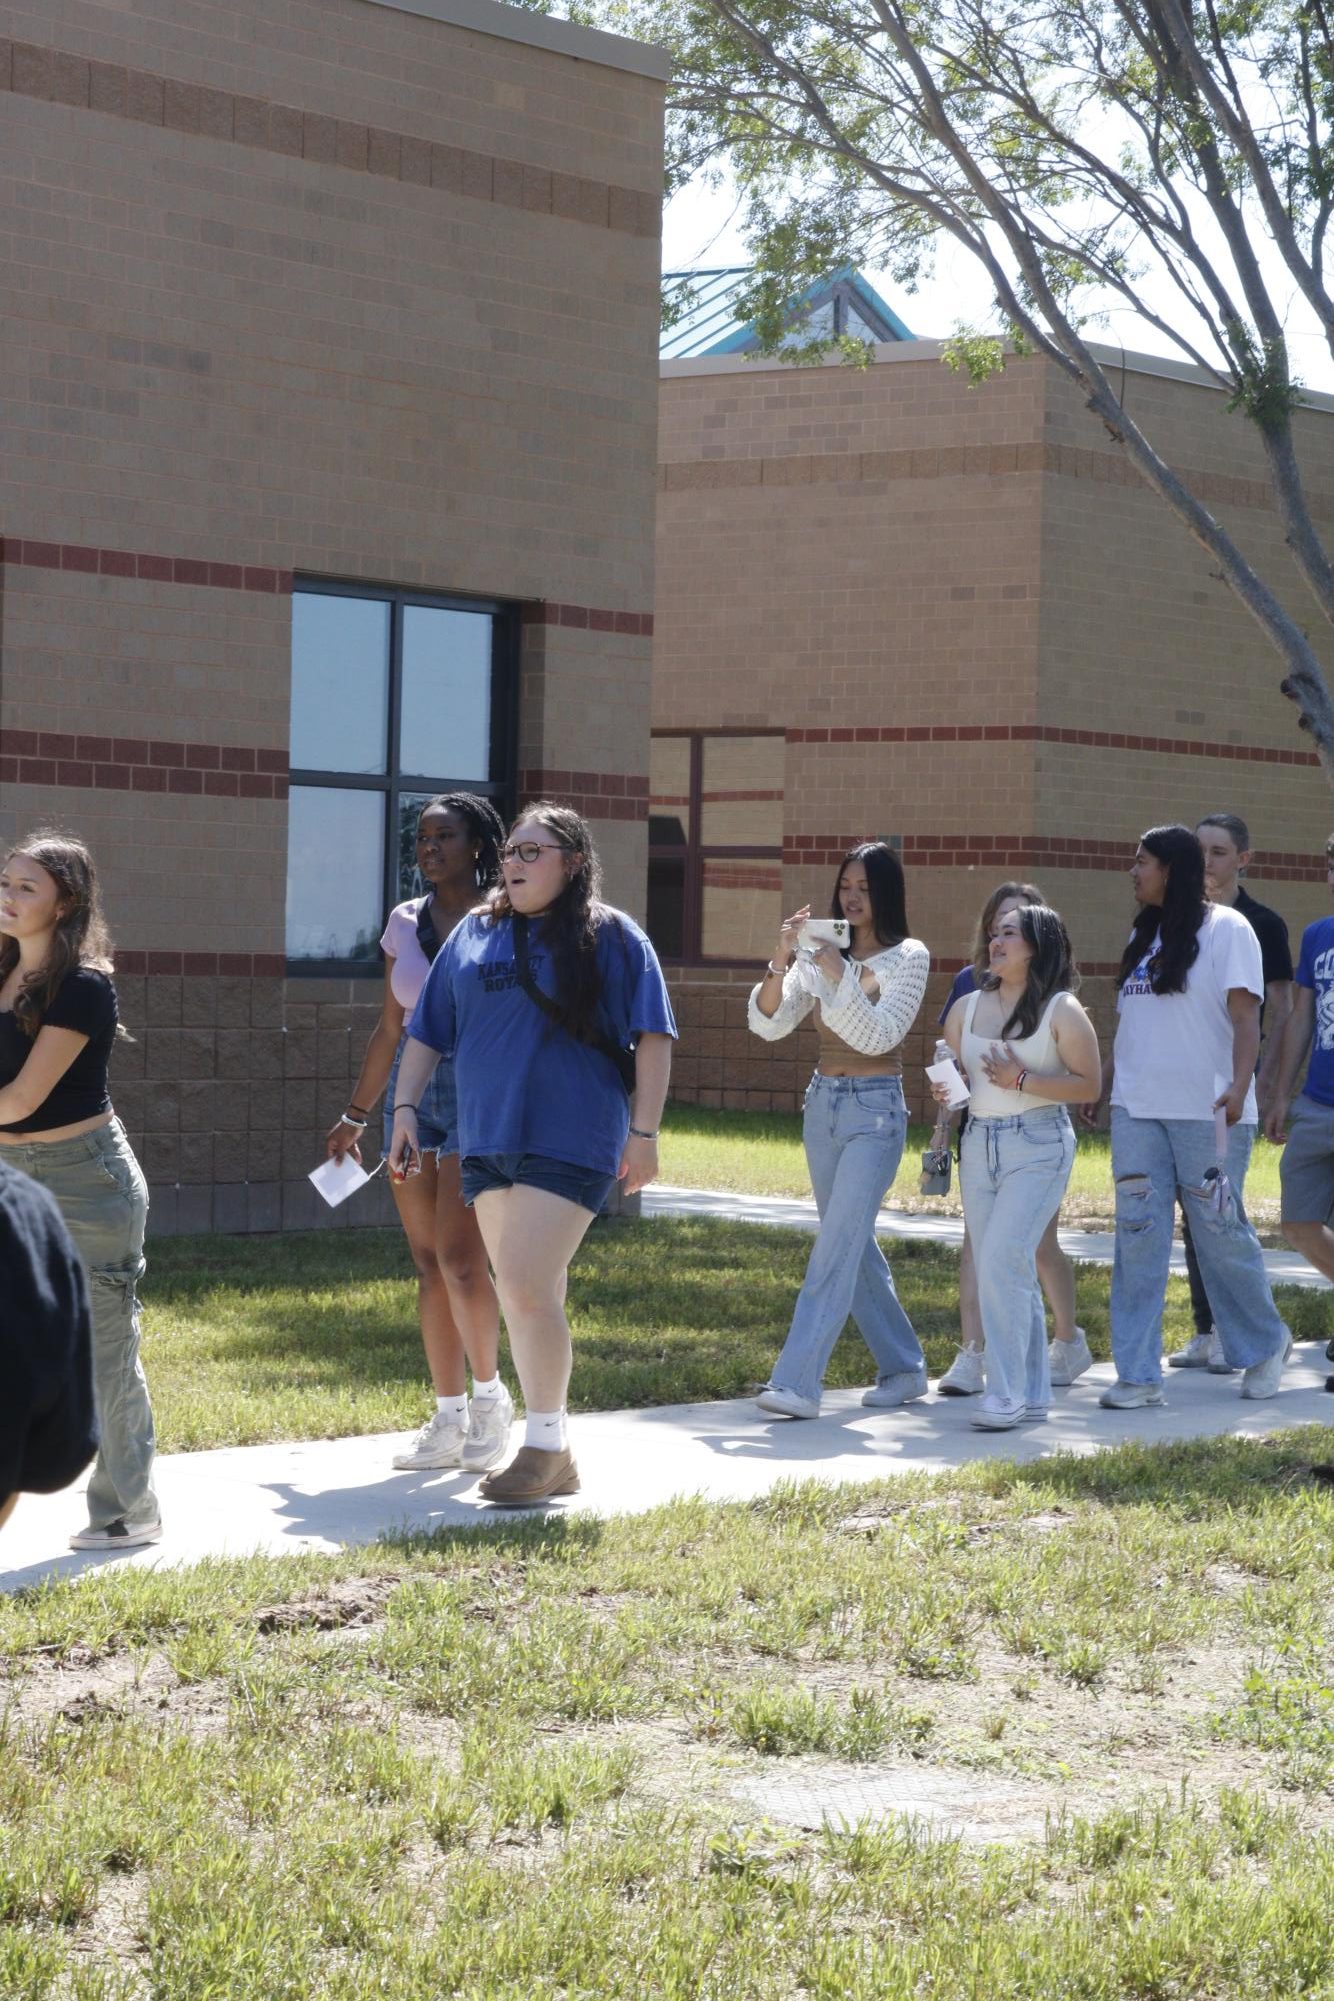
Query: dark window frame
column 695, row 853
column 499, row 786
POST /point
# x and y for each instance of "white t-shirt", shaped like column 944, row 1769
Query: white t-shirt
column 1171, row 1047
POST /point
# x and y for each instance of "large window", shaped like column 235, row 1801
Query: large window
column 396, row 695
column 715, row 844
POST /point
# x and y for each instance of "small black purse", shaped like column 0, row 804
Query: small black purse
column 936, row 1161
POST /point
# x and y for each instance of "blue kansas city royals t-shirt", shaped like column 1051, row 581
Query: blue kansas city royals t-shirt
column 524, row 1085
column 1315, row 969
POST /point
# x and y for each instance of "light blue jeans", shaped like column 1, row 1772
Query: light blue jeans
column 1012, row 1175
column 103, row 1197
column 854, row 1129
column 1153, row 1159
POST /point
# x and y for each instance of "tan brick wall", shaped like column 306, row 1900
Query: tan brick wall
column 330, row 289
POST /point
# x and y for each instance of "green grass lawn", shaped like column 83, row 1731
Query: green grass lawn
column 538, row 1760
column 315, row 1335
column 760, row 1153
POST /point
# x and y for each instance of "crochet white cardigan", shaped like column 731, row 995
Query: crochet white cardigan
column 871, row 1027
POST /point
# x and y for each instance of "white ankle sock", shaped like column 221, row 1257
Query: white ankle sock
column 546, row 1430
column 486, row 1392
column 455, row 1407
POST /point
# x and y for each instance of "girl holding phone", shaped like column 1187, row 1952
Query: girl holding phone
column 855, row 1123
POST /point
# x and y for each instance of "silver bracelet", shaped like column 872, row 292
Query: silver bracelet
column 357, row 1125
column 637, row 1132
column 779, row 972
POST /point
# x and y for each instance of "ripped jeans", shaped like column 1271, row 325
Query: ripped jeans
column 1151, row 1160
column 101, row 1193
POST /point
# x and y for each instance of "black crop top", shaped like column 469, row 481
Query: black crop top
column 85, row 1001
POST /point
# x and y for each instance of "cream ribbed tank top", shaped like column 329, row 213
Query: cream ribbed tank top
column 1035, row 1052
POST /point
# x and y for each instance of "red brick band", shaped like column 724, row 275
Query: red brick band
column 957, row 461
column 1249, row 753
column 148, row 98
column 204, row 965
column 1027, row 851
column 598, row 795
column 741, row 875
column 590, row 618
column 144, row 567
column 141, row 764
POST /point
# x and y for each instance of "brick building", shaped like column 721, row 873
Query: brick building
column 329, row 368
column 889, row 604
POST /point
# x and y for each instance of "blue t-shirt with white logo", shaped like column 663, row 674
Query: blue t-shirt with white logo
column 524, row 1084
column 1315, row 969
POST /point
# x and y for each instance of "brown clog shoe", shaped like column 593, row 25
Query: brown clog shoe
column 532, row 1475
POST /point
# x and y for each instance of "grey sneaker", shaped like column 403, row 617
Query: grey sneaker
column 1131, row 1396
column 966, row 1375
column 997, row 1414
column 1068, row 1360
column 787, row 1403
column 905, row 1387
column 1219, row 1364
column 1195, row 1354
column 488, row 1432
column 438, row 1443
column 123, row 1534
column 1263, row 1380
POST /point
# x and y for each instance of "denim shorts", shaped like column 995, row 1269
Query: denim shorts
column 585, row 1185
column 437, row 1109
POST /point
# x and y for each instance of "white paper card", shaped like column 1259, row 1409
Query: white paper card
column 948, row 1073
column 337, row 1179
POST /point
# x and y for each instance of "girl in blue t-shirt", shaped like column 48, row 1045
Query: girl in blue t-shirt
column 58, row 1022
column 538, row 998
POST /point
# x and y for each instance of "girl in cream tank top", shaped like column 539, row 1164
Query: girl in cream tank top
column 1035, row 1053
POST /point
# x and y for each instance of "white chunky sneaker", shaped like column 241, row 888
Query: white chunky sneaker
column 787, row 1403
column 1219, row 1364
column 1068, row 1360
column 1195, row 1354
column 905, row 1387
column 488, row 1432
column 998, row 1414
column 1263, row 1379
column 1131, row 1396
column 439, row 1443
column 966, row 1375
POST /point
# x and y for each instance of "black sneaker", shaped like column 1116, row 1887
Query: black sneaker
column 123, row 1534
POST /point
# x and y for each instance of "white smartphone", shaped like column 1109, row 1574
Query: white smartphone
column 819, row 931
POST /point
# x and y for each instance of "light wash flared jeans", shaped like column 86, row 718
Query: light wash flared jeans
column 103, row 1197
column 1012, row 1175
column 854, row 1129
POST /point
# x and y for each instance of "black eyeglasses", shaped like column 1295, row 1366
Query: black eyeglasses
column 528, row 851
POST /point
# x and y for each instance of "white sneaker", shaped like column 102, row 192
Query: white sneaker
column 787, row 1403
column 1131, row 1396
column 1068, row 1360
column 998, row 1414
column 905, row 1387
column 122, row 1534
column 1219, row 1364
column 439, row 1443
column 488, row 1432
column 966, row 1375
column 1195, row 1354
column 1263, row 1379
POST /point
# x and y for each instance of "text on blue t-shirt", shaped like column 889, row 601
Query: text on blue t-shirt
column 1315, row 969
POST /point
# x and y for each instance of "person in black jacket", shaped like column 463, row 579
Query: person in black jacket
column 47, row 1430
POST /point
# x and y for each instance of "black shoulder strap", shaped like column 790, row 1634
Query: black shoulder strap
column 623, row 1059
column 426, row 937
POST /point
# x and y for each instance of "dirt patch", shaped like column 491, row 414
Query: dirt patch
column 358, row 1601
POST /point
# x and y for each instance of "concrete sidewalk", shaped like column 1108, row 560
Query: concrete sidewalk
column 1092, row 1247
column 283, row 1499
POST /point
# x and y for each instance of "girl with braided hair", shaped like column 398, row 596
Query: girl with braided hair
column 458, row 855
column 538, row 998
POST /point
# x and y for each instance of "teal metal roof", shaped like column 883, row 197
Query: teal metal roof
column 707, row 320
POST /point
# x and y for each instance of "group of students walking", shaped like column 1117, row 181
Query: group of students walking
column 523, row 1054
column 1201, row 962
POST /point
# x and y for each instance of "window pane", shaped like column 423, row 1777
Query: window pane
column 667, row 906
column 445, row 722
column 669, row 775
column 742, row 909
column 340, row 683
column 335, row 873
column 742, row 790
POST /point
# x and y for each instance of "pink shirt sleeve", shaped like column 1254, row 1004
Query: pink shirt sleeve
column 399, row 943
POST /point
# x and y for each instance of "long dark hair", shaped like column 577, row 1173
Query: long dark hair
column 1175, row 923
column 1004, row 892
column 885, row 885
column 568, row 927
column 1051, row 970
column 81, row 936
column 483, row 823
